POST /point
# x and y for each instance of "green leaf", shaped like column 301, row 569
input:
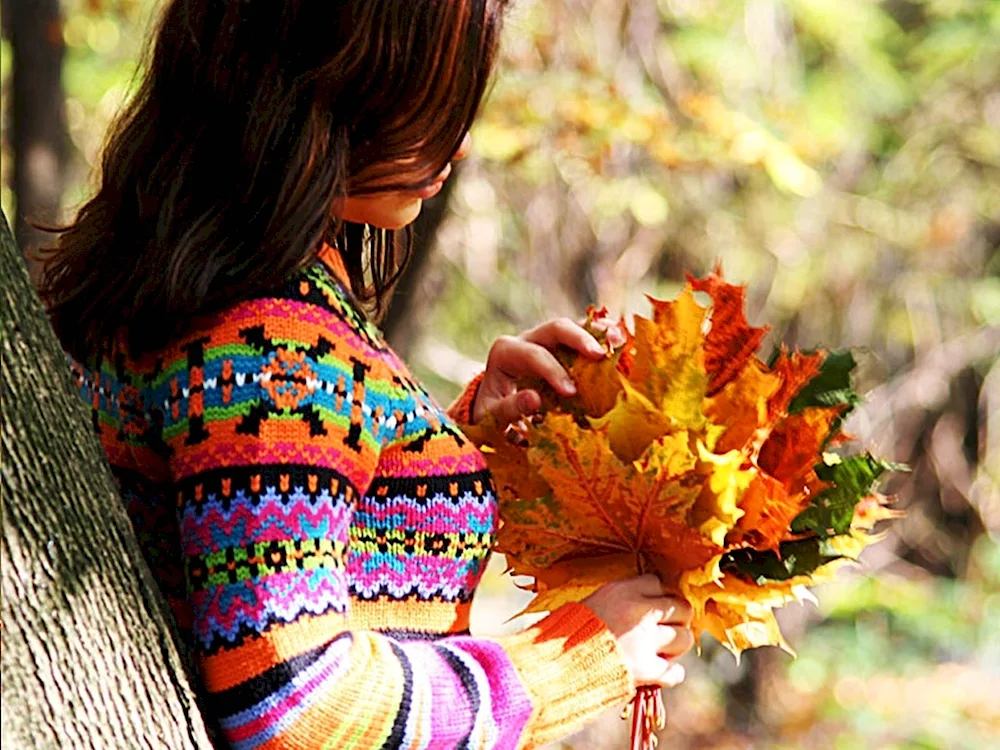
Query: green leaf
column 831, row 387
column 831, row 512
column 797, row 558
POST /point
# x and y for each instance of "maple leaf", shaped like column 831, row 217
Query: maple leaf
column 667, row 359
column 793, row 446
column 851, row 479
column 574, row 580
column 794, row 558
column 768, row 509
column 686, row 455
column 671, row 456
column 602, row 507
column 739, row 613
column 794, row 371
column 737, row 630
column 871, row 509
column 597, row 383
column 742, row 406
column 633, row 424
column 831, row 386
column 513, row 475
column 717, row 509
column 731, row 342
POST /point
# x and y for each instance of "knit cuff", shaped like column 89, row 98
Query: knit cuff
column 461, row 410
column 573, row 669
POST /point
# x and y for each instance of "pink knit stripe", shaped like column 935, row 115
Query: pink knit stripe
column 447, row 514
column 303, row 691
column 436, row 466
column 510, row 703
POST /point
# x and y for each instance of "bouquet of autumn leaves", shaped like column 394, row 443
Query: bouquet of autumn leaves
column 685, row 455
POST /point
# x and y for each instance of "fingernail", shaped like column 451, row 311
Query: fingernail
column 524, row 402
column 569, row 386
column 595, row 348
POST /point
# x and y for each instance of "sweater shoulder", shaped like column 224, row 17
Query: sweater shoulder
column 296, row 366
column 309, row 311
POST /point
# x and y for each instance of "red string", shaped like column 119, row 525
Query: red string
column 648, row 715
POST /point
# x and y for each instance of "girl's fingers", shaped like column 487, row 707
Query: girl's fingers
column 663, row 673
column 565, row 332
column 647, row 585
column 464, row 148
column 672, row 676
column 674, row 642
column 517, row 358
column 674, row 611
column 528, row 402
column 514, row 407
column 506, row 410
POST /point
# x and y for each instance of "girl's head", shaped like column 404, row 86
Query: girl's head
column 261, row 129
column 395, row 209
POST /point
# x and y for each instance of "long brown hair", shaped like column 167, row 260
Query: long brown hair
column 252, row 118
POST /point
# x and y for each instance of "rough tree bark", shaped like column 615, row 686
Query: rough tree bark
column 89, row 656
column 39, row 138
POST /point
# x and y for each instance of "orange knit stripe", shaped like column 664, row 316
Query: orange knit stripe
column 230, row 667
column 331, row 257
column 225, row 447
column 372, row 686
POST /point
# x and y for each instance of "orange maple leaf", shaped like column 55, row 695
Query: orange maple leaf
column 732, row 341
column 793, row 370
column 602, row 507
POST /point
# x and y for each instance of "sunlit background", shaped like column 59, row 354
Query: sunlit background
column 842, row 159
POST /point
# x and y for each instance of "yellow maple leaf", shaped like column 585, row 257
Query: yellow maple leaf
column 574, row 580
column 670, row 456
column 633, row 424
column 667, row 361
column 739, row 613
column 870, row 510
column 717, row 509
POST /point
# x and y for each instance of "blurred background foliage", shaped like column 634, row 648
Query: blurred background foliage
column 841, row 159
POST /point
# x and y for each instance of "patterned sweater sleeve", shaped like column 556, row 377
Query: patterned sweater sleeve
column 268, row 467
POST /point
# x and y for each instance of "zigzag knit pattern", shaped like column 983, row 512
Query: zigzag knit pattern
column 319, row 526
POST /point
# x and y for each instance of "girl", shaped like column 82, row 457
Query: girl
column 317, row 523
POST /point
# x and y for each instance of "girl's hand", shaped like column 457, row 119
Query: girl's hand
column 529, row 355
column 652, row 629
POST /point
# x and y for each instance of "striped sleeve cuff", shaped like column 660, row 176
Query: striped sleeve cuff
column 573, row 669
column 461, row 410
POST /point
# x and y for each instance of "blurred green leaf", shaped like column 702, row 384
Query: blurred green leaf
column 831, row 511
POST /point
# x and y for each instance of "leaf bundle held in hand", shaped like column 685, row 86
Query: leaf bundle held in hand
column 686, row 455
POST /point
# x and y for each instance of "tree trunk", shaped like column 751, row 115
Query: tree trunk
column 89, row 656
column 39, row 138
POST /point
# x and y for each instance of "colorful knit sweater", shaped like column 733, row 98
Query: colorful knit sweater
column 319, row 525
